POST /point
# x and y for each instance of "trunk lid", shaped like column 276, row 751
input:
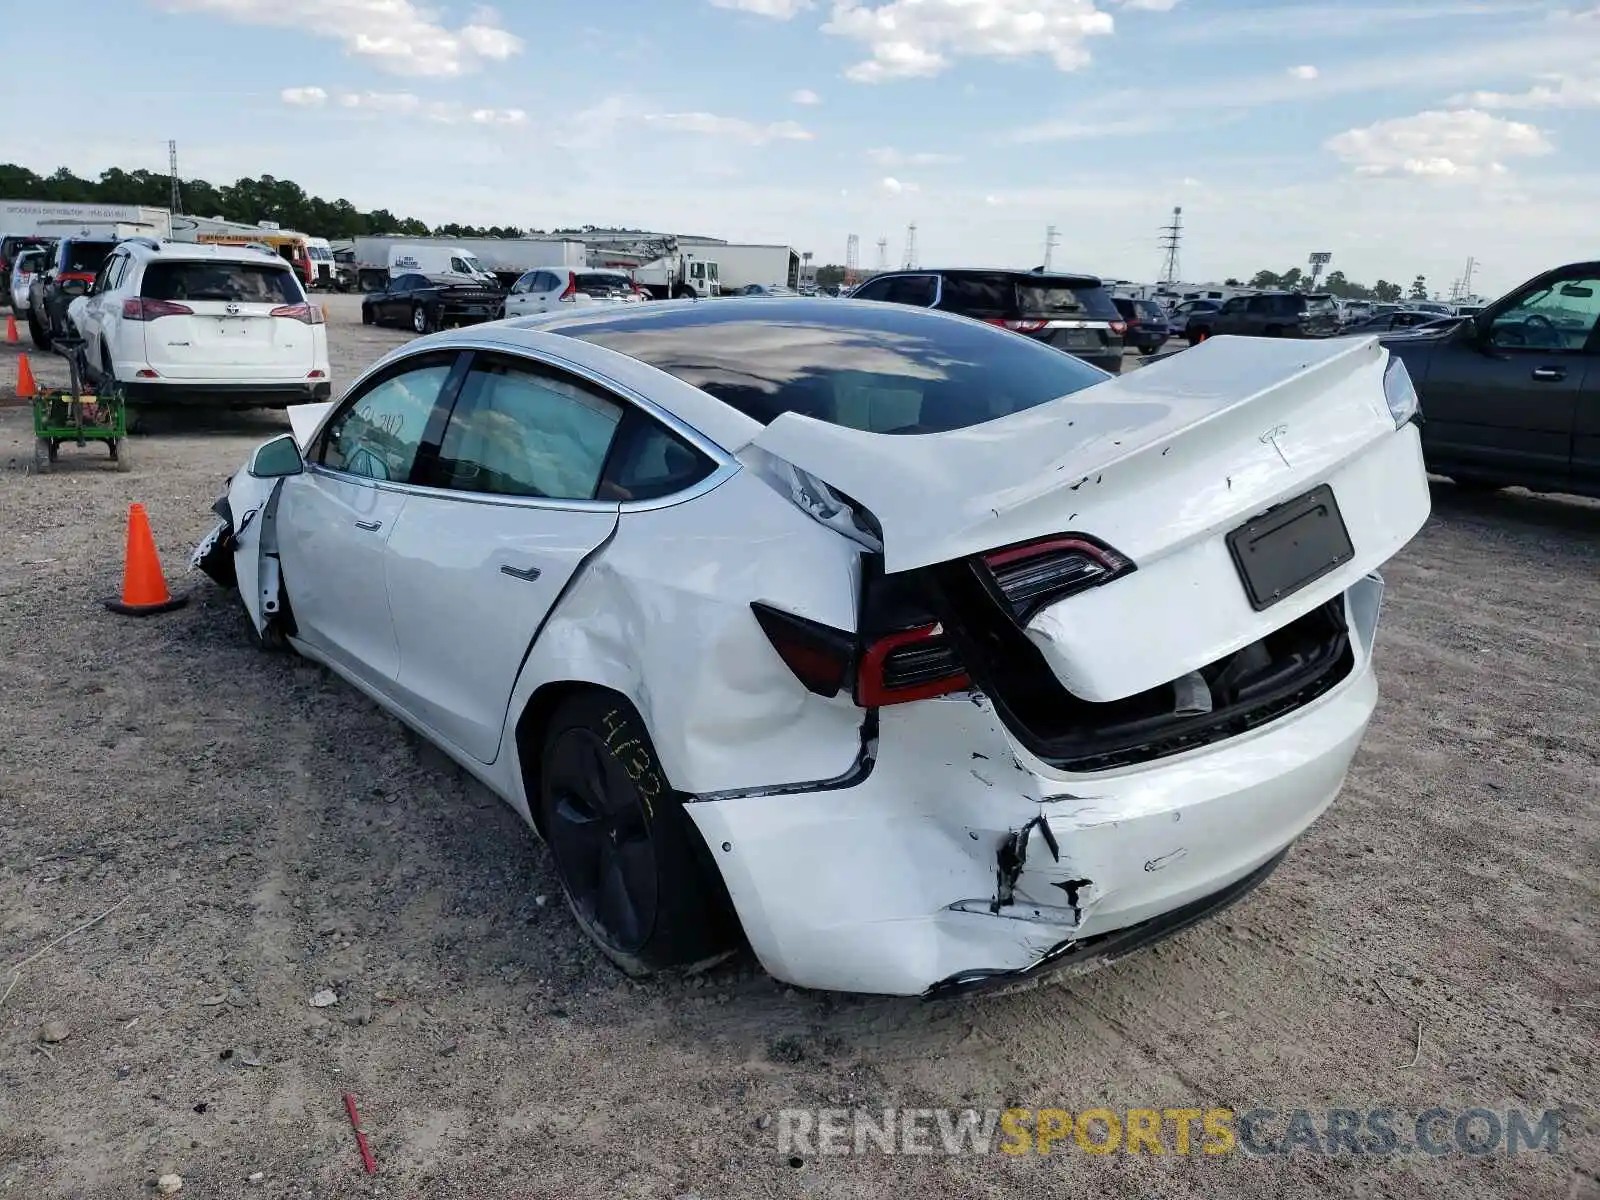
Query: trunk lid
column 1160, row 465
column 216, row 317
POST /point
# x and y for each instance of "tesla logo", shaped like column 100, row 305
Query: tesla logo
column 1270, row 438
column 233, row 309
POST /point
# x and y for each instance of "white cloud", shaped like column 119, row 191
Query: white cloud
column 1552, row 91
column 733, row 128
column 892, row 185
column 885, row 156
column 909, row 38
column 1465, row 143
column 993, row 201
column 406, row 104
column 778, row 10
column 1150, row 5
column 1306, row 71
column 397, row 35
column 1321, row 22
column 1070, row 130
column 805, row 96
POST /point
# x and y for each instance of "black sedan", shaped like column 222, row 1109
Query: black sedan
column 423, row 303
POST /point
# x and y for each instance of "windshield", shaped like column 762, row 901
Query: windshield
column 251, row 283
column 1321, row 305
column 474, row 265
column 603, row 283
column 320, row 253
column 882, row 368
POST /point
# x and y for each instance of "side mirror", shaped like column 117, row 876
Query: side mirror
column 277, row 458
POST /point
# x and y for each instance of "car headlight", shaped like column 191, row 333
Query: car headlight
column 1401, row 393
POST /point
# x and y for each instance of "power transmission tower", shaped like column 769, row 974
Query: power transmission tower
column 176, row 202
column 1466, row 280
column 1051, row 241
column 883, row 254
column 852, row 258
column 911, row 244
column 1171, row 240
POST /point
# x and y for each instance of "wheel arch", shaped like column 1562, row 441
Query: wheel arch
column 534, row 719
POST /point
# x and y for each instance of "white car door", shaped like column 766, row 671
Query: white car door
column 479, row 557
column 335, row 519
column 517, row 297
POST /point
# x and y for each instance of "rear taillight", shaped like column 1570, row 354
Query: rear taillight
column 142, row 309
column 894, row 668
column 1035, row 574
column 306, row 314
column 571, row 294
column 1018, row 326
column 1119, row 327
column 819, row 655
column 915, row 664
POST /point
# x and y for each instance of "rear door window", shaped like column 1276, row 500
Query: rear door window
column 603, row 283
column 244, row 283
column 86, row 258
column 516, row 431
column 648, row 461
column 981, row 295
column 917, row 290
column 873, row 289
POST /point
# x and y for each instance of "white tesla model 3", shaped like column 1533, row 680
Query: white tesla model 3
column 926, row 657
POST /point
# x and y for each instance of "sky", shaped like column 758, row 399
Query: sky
column 1402, row 136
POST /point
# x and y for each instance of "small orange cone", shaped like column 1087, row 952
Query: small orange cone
column 144, row 589
column 26, row 387
column 11, row 328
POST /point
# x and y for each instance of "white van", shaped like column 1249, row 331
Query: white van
column 450, row 262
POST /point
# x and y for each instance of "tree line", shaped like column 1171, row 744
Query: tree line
column 249, row 201
column 1336, row 284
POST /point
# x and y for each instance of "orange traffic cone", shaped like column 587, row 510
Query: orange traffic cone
column 144, row 589
column 26, row 387
column 11, row 328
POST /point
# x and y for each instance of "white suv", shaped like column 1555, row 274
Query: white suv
column 179, row 322
column 555, row 290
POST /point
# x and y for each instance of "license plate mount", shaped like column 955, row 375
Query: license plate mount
column 1290, row 546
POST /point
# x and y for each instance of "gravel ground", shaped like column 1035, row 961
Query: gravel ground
column 262, row 832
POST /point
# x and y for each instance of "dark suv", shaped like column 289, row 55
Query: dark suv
column 1074, row 313
column 1270, row 314
column 1147, row 323
column 66, row 276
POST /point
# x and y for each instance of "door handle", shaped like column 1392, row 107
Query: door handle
column 1549, row 374
column 370, row 526
column 529, row 573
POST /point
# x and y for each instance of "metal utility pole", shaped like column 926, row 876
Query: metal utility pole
column 176, row 201
column 1318, row 260
column 1171, row 240
column 1051, row 241
column 1466, row 279
column 911, row 244
column 852, row 258
column 883, row 254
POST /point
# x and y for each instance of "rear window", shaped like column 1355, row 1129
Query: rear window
column 1321, row 305
column 251, row 283
column 1150, row 310
column 1048, row 298
column 881, row 368
column 603, row 283
column 86, row 258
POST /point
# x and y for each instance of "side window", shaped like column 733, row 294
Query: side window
column 460, row 267
column 378, row 435
column 522, row 284
column 647, row 461
column 1560, row 317
column 1259, row 304
column 102, row 281
column 515, row 432
column 981, row 296
column 877, row 289
column 918, row 290
column 1236, row 305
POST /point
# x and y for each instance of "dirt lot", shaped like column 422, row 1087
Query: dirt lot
column 261, row 832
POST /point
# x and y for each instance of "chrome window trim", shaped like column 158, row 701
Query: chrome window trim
column 725, row 467
column 715, row 479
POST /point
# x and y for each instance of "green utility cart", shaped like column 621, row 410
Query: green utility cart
column 75, row 416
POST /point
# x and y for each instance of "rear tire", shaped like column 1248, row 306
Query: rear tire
column 366, row 316
column 633, row 867
column 421, row 319
column 1196, row 336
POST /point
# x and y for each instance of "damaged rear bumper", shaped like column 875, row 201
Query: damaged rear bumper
column 958, row 857
column 1084, row 954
